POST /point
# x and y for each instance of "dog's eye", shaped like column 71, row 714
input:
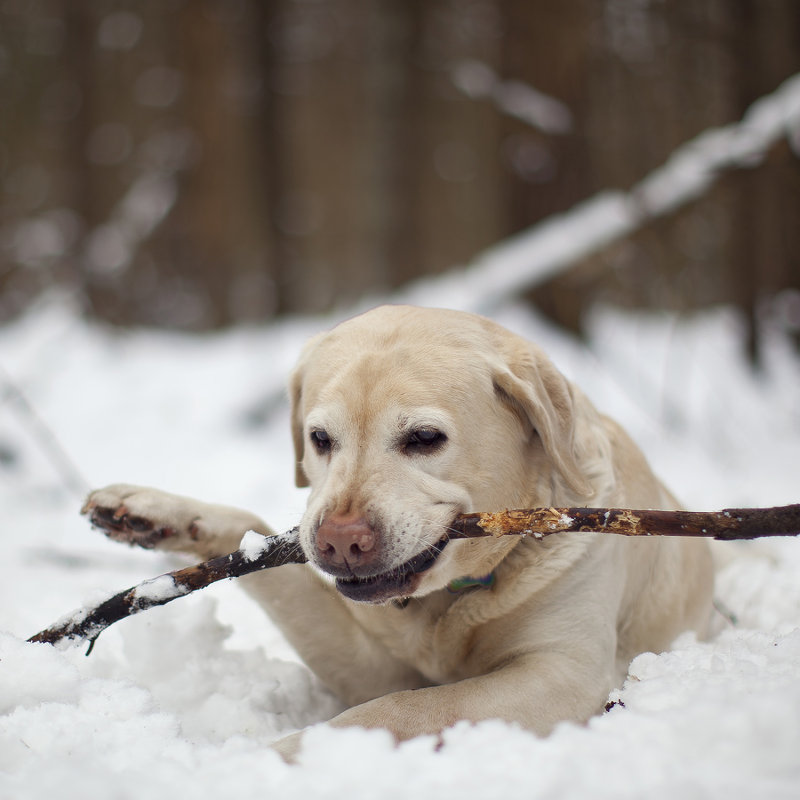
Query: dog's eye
column 425, row 440
column 321, row 441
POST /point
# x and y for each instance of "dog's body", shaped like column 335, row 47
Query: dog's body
column 403, row 418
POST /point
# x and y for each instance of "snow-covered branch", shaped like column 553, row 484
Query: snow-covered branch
column 554, row 245
column 111, row 247
column 694, row 166
column 517, row 99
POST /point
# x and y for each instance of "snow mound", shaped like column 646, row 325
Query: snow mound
column 186, row 698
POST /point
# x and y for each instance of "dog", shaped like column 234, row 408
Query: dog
column 403, row 418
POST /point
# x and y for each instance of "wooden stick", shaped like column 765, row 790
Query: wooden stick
column 88, row 624
column 731, row 523
column 259, row 552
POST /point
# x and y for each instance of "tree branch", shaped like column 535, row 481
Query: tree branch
column 259, row 552
column 88, row 624
column 555, row 244
column 731, row 523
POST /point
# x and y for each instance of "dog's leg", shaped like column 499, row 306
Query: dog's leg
column 535, row 690
column 309, row 611
column 151, row 518
column 544, row 669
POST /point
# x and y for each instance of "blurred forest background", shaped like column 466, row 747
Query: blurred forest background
column 195, row 163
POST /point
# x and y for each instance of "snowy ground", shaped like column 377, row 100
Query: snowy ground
column 182, row 700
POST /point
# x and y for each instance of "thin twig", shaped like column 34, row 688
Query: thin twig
column 42, row 432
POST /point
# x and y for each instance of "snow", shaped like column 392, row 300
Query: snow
column 186, row 697
column 252, row 545
column 156, row 590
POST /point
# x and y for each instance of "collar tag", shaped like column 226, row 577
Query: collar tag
column 460, row 584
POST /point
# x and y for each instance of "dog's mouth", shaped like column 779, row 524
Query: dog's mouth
column 399, row 582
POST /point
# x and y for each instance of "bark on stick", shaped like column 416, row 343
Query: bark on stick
column 258, row 553
column 731, row 523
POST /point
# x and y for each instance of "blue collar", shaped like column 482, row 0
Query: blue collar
column 460, row 584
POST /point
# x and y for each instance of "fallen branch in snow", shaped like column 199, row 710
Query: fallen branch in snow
column 557, row 243
column 263, row 552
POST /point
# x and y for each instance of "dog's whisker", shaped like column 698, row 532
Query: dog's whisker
column 447, row 529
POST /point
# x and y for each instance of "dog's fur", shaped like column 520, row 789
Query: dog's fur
column 403, row 418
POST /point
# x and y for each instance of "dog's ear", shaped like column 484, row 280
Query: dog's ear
column 296, row 381
column 298, row 437
column 540, row 395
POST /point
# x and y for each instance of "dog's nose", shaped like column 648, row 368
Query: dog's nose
column 345, row 541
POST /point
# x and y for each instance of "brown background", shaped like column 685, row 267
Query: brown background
column 305, row 152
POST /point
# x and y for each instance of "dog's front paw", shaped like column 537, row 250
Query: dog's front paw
column 140, row 516
column 150, row 518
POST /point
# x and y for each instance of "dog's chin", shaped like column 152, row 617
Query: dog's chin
column 396, row 584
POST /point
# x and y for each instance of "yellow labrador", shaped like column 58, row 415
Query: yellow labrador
column 403, row 418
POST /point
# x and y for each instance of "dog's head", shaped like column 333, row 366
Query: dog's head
column 403, row 418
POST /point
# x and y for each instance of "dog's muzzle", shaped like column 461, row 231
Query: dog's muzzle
column 400, row 582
